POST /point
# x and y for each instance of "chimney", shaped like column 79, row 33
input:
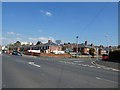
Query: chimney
column 49, row 41
column 85, row 42
column 92, row 45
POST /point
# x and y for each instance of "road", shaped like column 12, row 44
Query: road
column 34, row 72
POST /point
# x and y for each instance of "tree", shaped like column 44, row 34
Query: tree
column 10, row 46
column 68, row 42
column 118, row 46
column 17, row 44
column 91, row 51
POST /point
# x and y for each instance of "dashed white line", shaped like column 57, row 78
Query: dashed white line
column 73, row 63
column 106, row 80
column 115, row 70
column 90, row 66
column 77, row 61
column 79, row 64
column 98, row 78
column 32, row 63
column 106, row 68
column 98, row 67
column 84, row 65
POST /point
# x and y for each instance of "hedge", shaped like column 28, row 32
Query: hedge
column 114, row 56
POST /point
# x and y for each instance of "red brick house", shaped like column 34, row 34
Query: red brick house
column 44, row 48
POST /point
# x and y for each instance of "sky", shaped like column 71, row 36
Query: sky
column 95, row 22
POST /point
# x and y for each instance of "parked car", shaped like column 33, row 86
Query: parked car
column 105, row 57
column 16, row 53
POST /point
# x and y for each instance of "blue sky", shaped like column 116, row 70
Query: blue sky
column 32, row 22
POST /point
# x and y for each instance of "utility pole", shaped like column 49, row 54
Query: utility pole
column 97, row 53
column 77, row 44
column 107, row 43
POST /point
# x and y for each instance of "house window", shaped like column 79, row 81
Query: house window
column 40, row 48
column 47, row 47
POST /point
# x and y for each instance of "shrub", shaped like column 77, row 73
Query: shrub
column 114, row 56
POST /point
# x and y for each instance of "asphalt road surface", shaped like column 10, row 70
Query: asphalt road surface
column 33, row 72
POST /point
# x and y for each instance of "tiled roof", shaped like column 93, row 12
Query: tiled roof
column 50, row 44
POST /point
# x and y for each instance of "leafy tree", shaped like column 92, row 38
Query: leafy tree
column 118, row 46
column 68, row 42
column 91, row 51
column 10, row 46
column 17, row 44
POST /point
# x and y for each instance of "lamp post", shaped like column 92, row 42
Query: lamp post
column 97, row 53
column 107, row 43
column 77, row 45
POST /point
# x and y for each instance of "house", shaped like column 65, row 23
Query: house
column 44, row 48
column 82, row 48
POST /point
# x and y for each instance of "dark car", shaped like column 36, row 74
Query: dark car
column 105, row 57
column 16, row 53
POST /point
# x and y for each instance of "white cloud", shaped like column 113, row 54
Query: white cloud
column 13, row 33
column 2, row 38
column 33, row 39
column 42, row 39
column 47, row 13
column 18, row 39
column 18, row 34
column 6, row 40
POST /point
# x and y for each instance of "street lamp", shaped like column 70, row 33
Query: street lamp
column 77, row 44
column 97, row 53
column 107, row 43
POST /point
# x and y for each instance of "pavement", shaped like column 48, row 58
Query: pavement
column 44, row 72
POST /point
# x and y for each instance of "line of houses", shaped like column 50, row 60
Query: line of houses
column 51, row 47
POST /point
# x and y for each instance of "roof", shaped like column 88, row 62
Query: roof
column 50, row 44
column 83, row 45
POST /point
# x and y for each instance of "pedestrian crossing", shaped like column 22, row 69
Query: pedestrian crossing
column 80, row 63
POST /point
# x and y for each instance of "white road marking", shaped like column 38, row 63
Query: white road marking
column 84, row 65
column 32, row 63
column 79, row 64
column 77, row 61
column 98, row 78
column 106, row 80
column 64, row 62
column 98, row 67
column 90, row 66
column 73, row 63
column 115, row 70
column 106, row 68
column 69, row 62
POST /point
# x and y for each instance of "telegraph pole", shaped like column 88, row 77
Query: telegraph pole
column 77, row 44
column 107, row 43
